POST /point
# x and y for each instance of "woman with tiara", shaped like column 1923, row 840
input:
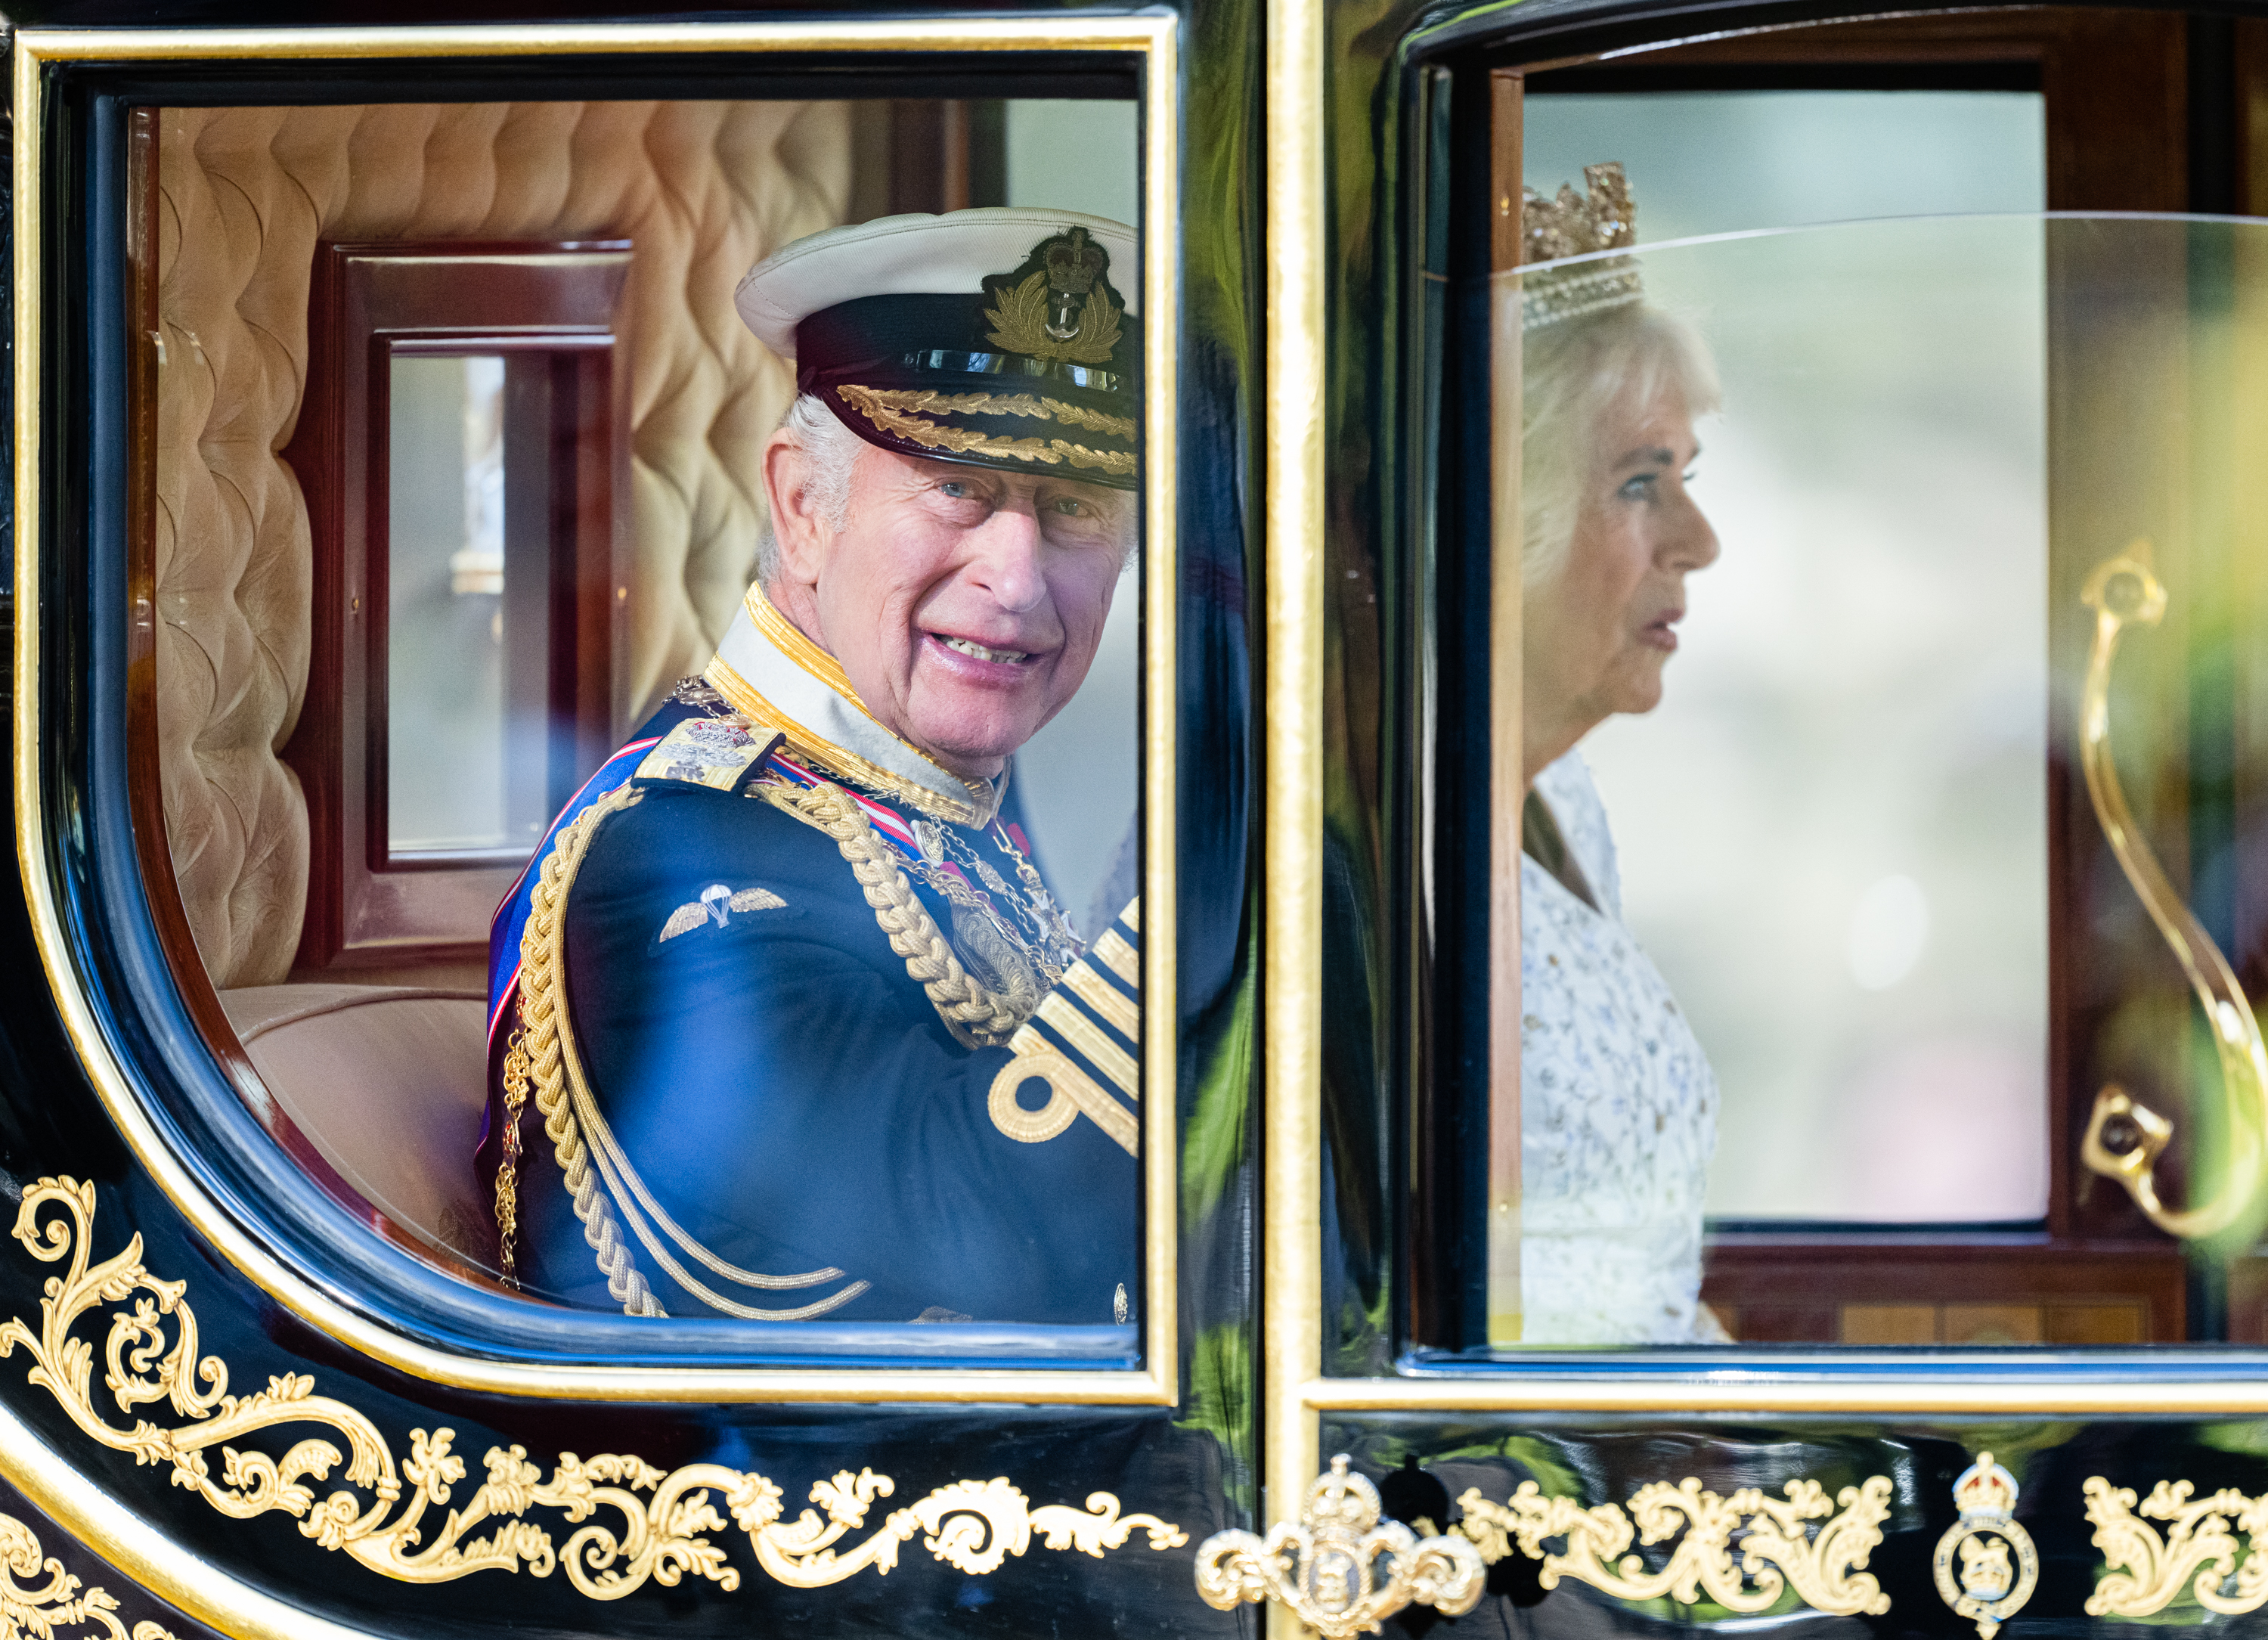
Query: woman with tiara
column 1617, row 1102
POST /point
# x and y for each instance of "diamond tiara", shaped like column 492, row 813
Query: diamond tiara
column 1575, row 226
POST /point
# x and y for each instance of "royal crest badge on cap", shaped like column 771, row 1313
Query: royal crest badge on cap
column 994, row 336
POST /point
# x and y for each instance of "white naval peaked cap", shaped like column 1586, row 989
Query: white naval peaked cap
column 918, row 253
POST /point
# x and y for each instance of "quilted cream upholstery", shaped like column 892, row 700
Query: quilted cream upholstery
column 703, row 189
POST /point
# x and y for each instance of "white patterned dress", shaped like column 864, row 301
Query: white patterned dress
column 1618, row 1109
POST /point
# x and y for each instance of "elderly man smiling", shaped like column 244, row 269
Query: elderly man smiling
column 784, row 1022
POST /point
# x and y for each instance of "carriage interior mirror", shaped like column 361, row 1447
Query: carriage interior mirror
column 420, row 582
column 1888, row 911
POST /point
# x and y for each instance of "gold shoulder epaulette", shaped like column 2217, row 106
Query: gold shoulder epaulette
column 719, row 752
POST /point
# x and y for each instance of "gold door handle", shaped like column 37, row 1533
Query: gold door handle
column 2124, row 1138
column 1326, row 1567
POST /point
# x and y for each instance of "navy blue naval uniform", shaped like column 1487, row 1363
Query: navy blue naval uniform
column 766, row 1110
column 786, row 1092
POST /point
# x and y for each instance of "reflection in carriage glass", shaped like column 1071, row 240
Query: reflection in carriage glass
column 1892, row 749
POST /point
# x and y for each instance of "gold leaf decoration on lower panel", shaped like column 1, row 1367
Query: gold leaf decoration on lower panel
column 1342, row 1568
column 634, row 1522
column 2144, row 1572
column 1824, row 1568
column 2000, row 1566
column 57, row 1606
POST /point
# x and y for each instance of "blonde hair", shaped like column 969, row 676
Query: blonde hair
column 1571, row 374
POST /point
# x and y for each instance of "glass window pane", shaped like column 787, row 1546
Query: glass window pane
column 1725, row 161
column 1889, row 709
column 446, row 718
column 1833, row 830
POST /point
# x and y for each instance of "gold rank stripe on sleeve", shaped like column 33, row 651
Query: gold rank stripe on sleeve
column 1112, row 1005
column 1120, row 957
column 1074, row 1026
column 1083, row 1044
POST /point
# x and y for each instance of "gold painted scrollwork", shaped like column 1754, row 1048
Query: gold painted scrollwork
column 49, row 1609
column 2124, row 1137
column 1826, row 1568
column 2144, row 1572
column 634, row 1521
column 1325, row 1567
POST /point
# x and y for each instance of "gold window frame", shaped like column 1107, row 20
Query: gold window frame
column 1149, row 45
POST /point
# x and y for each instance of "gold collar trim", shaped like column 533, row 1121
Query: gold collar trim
column 772, row 674
column 788, row 638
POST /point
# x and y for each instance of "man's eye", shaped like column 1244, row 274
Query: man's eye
column 1071, row 507
column 954, row 488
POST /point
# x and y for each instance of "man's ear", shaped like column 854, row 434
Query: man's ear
column 802, row 533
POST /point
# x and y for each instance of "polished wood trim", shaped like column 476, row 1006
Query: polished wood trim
column 2250, row 68
column 1507, row 750
column 929, row 155
column 1791, row 1287
column 548, row 307
column 2116, row 83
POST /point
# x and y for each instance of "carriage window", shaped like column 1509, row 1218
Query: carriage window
column 555, row 622
column 1889, row 981
column 1891, row 771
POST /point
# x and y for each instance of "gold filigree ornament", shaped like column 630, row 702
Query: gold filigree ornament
column 1998, row 1564
column 2145, row 1573
column 57, row 1606
column 1777, row 1551
column 396, row 1519
column 1325, row 1567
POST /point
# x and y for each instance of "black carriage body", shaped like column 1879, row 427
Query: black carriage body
column 1318, row 1188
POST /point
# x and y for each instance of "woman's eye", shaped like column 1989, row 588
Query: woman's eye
column 1641, row 488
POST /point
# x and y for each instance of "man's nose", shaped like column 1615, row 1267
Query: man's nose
column 1006, row 560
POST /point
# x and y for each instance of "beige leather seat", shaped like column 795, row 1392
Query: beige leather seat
column 387, row 1083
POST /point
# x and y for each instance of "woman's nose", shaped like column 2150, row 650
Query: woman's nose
column 1691, row 544
column 1007, row 562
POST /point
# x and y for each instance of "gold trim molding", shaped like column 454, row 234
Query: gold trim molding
column 59, row 1604
column 1825, row 1568
column 634, row 1522
column 2146, row 1571
column 1150, row 43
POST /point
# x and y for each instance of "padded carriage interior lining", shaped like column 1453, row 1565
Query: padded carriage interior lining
column 703, row 189
column 387, row 1083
